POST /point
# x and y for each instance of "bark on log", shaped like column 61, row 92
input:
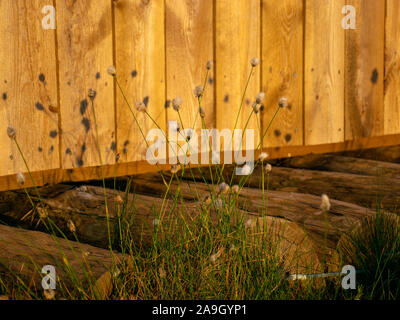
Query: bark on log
column 343, row 164
column 366, row 191
column 24, row 253
column 85, row 207
column 388, row 154
column 324, row 229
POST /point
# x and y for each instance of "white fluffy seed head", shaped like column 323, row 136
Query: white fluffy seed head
column 235, row 189
column 223, row 188
column 245, row 170
column 260, row 97
column 112, row 71
column 283, row 102
column 140, row 106
column 198, row 91
column 71, row 226
column 256, row 107
column 12, row 134
column 20, row 178
column 262, row 156
column 175, row 168
column 325, row 203
column 202, row 112
column 268, row 168
column 156, row 222
column 177, row 103
column 255, row 62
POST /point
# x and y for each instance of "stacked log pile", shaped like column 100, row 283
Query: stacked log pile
column 356, row 186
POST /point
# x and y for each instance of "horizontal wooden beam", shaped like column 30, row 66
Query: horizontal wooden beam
column 54, row 176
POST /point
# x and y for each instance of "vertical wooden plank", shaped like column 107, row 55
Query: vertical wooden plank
column 282, row 70
column 85, row 51
column 237, row 42
column 324, row 72
column 392, row 68
column 189, row 45
column 140, row 62
column 28, row 87
column 364, row 101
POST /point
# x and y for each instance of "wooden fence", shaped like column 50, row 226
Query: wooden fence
column 342, row 85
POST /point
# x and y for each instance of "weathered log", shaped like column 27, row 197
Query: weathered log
column 388, row 154
column 324, row 229
column 85, row 207
column 366, row 191
column 24, row 253
column 335, row 163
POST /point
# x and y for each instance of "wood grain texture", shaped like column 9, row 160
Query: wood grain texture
column 364, row 65
column 28, row 87
column 189, row 45
column 324, row 72
column 85, row 51
column 140, row 62
column 392, row 68
column 237, row 42
column 282, row 70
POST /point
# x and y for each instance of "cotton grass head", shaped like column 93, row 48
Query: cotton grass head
column 235, row 189
column 177, row 103
column 209, row 65
column 175, row 168
column 202, row 112
column 268, row 168
column 20, row 178
column 325, row 203
column 260, row 97
column 140, row 106
column 112, row 71
column 262, row 156
column 283, row 102
column 223, row 188
column 254, row 62
column 256, row 107
column 92, row 93
column 198, row 91
column 71, row 226
column 11, row 132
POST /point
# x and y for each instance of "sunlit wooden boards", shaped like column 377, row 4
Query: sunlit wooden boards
column 140, row 63
column 28, row 87
column 85, row 50
column 282, row 70
column 364, row 64
column 324, row 72
column 189, row 45
column 392, row 68
column 237, row 32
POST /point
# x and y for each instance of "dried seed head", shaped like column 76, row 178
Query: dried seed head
column 118, row 199
column 92, row 94
column 283, row 102
column 198, row 91
column 223, row 188
column 245, row 170
column 213, row 258
column 156, row 222
column 71, row 226
column 268, row 168
column 20, row 178
column 175, row 168
column 260, row 97
column 162, row 272
column 262, row 156
column 232, row 248
column 140, row 106
column 235, row 189
column 219, row 203
column 202, row 112
column 256, row 107
column 49, row 294
column 112, row 71
column 177, row 103
column 11, row 132
column 255, row 62
column 209, row 65
column 325, row 203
